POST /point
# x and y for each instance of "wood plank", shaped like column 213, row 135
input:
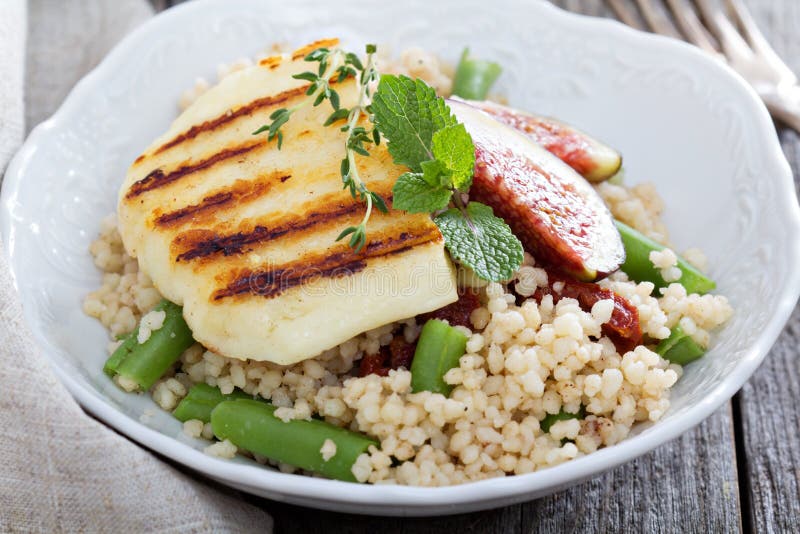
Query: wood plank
column 160, row 5
column 769, row 419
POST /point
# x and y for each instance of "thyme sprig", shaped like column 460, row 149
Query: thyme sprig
column 358, row 138
column 337, row 65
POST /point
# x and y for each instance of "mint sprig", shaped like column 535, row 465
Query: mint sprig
column 478, row 239
column 452, row 146
column 408, row 112
column 422, row 133
column 415, row 195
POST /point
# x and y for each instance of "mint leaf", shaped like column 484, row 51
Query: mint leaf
column 436, row 173
column 481, row 241
column 414, row 195
column 407, row 113
column 452, row 145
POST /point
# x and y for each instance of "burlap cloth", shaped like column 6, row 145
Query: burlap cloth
column 60, row 470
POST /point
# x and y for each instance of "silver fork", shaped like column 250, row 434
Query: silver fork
column 736, row 40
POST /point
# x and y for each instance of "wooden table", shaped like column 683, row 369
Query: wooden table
column 738, row 470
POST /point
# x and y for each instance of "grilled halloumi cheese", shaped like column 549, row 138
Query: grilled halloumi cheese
column 243, row 234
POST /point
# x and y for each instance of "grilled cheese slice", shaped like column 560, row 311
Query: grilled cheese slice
column 243, row 235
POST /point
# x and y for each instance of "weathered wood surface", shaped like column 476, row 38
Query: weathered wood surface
column 768, row 406
column 768, row 425
column 737, row 471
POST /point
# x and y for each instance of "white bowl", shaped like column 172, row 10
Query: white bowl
column 682, row 120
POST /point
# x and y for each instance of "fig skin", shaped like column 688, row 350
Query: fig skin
column 555, row 213
column 589, row 157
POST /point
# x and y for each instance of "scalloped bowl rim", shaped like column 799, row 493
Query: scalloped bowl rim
column 410, row 500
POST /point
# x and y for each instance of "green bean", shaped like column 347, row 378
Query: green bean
column 438, row 350
column 144, row 363
column 474, row 77
column 201, row 400
column 551, row 418
column 252, row 425
column 118, row 356
column 679, row 347
column 639, row 267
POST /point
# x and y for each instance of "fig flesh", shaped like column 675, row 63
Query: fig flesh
column 590, row 158
column 556, row 214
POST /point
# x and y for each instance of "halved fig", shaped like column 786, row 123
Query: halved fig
column 556, row 214
column 589, row 157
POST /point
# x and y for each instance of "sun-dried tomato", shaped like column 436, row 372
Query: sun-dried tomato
column 401, row 352
column 398, row 353
column 623, row 328
column 458, row 313
column 374, row 364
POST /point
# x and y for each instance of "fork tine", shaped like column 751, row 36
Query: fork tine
column 757, row 40
column 733, row 45
column 625, row 14
column 690, row 25
column 656, row 20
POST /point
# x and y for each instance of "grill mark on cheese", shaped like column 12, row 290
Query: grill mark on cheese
column 270, row 284
column 200, row 244
column 341, row 262
column 307, row 49
column 337, row 208
column 231, row 115
column 271, row 62
column 158, row 178
column 239, row 193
